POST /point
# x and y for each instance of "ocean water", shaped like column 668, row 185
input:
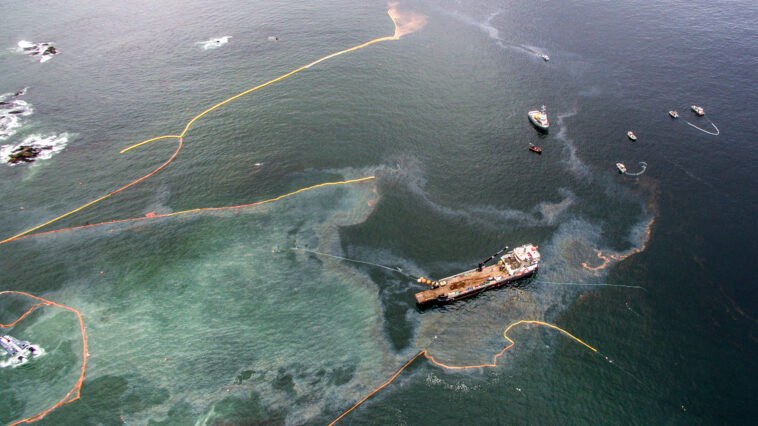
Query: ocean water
column 219, row 317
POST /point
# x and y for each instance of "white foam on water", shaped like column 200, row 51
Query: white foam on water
column 11, row 111
column 8, row 95
column 54, row 144
column 23, row 44
column 14, row 362
column 213, row 43
column 433, row 381
column 44, row 51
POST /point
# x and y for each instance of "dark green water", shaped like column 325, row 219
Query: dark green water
column 212, row 318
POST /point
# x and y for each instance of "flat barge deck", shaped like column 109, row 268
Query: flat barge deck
column 519, row 263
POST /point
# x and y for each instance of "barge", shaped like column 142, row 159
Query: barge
column 516, row 264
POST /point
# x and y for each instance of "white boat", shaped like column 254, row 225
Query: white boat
column 631, row 135
column 545, row 57
column 539, row 119
column 18, row 349
column 698, row 110
column 621, row 167
column 674, row 114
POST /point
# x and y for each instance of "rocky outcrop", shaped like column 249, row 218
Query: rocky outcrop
column 26, row 154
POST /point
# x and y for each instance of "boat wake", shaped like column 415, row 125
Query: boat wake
column 487, row 27
column 532, row 50
column 644, row 167
column 706, row 131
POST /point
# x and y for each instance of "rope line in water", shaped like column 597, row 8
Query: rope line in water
column 414, row 277
column 397, row 34
column 433, row 361
column 706, row 131
column 75, row 391
column 202, row 209
column 594, row 284
column 355, row 261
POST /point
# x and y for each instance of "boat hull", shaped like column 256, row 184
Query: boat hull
column 448, row 299
column 538, row 126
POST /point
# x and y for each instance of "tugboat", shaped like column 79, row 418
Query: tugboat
column 535, row 148
column 539, row 119
column 518, row 263
column 674, row 114
column 698, row 110
column 621, row 167
column 631, row 136
column 18, row 349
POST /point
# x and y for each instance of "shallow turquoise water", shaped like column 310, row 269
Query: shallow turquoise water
column 213, row 318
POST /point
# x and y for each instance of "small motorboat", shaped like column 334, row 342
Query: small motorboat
column 631, row 135
column 535, row 148
column 621, row 167
column 545, row 57
column 674, row 114
column 698, row 110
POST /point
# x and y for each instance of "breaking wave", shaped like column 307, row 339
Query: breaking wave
column 48, row 145
column 44, row 51
column 213, row 43
column 11, row 111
